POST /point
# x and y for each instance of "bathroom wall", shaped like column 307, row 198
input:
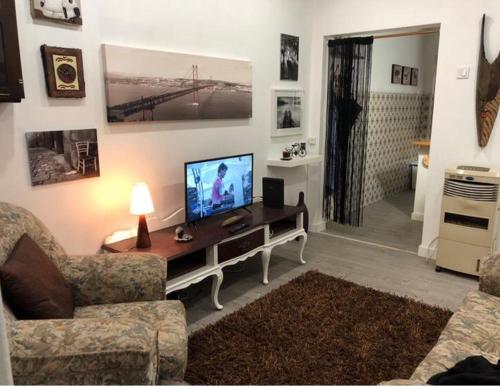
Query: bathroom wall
column 395, row 121
column 399, row 114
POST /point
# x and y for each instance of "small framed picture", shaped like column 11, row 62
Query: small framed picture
column 59, row 11
column 414, row 77
column 63, row 72
column 287, row 112
column 396, row 74
column 58, row 156
column 406, row 75
column 289, row 68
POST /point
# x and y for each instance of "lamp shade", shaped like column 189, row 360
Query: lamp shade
column 141, row 203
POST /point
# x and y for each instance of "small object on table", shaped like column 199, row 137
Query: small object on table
column 237, row 228
column 302, row 150
column 181, row 236
column 287, row 155
column 232, row 220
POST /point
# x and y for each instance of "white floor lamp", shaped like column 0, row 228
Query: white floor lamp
column 5, row 368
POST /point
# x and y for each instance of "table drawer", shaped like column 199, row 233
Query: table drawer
column 239, row 246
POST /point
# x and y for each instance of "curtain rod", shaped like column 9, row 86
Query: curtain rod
column 405, row 34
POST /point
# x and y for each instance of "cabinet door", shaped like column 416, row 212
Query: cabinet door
column 11, row 79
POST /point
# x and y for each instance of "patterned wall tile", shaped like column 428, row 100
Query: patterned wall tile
column 394, row 122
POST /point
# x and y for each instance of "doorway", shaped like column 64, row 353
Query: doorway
column 399, row 127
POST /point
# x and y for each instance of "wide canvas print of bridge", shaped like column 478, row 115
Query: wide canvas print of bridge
column 148, row 85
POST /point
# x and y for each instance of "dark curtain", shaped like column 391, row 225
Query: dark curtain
column 347, row 114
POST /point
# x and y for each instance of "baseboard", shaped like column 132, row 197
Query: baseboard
column 418, row 216
column 317, row 227
column 426, row 252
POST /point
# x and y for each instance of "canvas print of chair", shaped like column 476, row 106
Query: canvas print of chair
column 148, row 85
column 62, row 155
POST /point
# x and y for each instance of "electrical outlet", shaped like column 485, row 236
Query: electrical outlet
column 463, row 72
column 311, row 140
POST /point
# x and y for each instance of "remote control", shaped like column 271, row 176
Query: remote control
column 237, row 228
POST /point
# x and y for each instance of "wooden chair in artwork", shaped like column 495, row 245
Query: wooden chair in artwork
column 84, row 158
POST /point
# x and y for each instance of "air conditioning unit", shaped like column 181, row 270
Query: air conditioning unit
column 469, row 215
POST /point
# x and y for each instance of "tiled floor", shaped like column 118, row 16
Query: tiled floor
column 386, row 222
column 384, row 269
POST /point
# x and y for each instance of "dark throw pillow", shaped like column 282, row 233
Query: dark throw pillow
column 32, row 286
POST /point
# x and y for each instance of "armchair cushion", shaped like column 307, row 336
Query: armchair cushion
column 489, row 275
column 83, row 351
column 33, row 286
column 168, row 317
column 115, row 278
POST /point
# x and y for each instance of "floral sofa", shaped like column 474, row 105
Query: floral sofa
column 123, row 330
column 474, row 329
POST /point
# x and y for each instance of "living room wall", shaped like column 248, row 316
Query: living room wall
column 82, row 213
column 454, row 138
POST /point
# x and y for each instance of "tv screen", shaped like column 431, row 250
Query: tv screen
column 218, row 185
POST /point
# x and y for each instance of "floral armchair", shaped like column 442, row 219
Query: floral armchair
column 123, row 330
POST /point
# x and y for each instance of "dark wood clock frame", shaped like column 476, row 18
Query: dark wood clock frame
column 50, row 76
column 13, row 89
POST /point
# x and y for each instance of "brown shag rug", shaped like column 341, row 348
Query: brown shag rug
column 316, row 329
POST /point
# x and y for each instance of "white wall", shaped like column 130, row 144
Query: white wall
column 82, row 213
column 418, row 51
column 454, row 138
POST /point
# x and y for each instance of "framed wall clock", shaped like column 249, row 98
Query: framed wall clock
column 63, row 72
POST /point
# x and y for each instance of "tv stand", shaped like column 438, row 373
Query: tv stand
column 213, row 247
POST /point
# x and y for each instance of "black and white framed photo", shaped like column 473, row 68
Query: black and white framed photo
column 414, row 77
column 57, row 156
column 150, row 85
column 59, row 11
column 406, row 75
column 396, row 74
column 287, row 112
column 289, row 69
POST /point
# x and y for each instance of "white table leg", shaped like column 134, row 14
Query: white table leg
column 216, row 283
column 303, row 240
column 265, row 257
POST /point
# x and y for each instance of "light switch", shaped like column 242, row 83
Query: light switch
column 463, row 72
column 311, row 140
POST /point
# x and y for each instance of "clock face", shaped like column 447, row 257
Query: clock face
column 66, row 72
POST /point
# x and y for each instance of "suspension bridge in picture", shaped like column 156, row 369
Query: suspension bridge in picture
column 121, row 111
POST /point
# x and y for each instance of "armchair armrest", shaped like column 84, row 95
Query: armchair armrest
column 83, row 351
column 115, row 278
column 489, row 275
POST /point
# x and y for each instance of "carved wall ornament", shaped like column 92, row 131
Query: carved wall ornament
column 488, row 93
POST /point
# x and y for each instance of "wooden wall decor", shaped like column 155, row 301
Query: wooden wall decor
column 63, row 72
column 488, row 93
column 11, row 77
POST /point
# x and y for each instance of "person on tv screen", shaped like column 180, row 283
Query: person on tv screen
column 219, row 192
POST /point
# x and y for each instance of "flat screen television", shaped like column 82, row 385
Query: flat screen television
column 218, row 185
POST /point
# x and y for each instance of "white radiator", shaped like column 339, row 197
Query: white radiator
column 469, row 215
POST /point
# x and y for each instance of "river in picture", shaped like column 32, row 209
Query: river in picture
column 213, row 102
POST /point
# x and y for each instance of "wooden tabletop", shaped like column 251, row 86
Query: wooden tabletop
column 207, row 232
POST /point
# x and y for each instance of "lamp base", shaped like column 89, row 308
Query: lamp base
column 143, row 240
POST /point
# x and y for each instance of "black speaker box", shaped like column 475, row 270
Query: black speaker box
column 273, row 192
